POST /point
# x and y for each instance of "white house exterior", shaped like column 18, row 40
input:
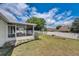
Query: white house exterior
column 13, row 30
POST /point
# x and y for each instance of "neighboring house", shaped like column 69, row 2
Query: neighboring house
column 51, row 29
column 13, row 30
column 64, row 28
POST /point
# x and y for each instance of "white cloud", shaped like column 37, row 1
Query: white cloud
column 48, row 16
column 69, row 22
column 16, row 8
column 49, row 21
column 24, row 18
column 69, row 12
column 44, row 15
column 69, row 18
column 63, row 15
column 34, row 11
column 66, row 21
column 51, row 16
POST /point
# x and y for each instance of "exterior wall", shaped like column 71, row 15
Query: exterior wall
column 21, row 38
column 18, row 40
column 3, row 33
column 7, row 38
column 25, row 37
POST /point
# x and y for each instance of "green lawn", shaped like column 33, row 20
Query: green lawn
column 47, row 46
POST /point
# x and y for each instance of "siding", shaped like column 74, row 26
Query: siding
column 3, row 33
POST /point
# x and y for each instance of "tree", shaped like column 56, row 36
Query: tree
column 40, row 22
column 75, row 26
column 58, row 26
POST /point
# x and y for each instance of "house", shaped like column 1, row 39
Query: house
column 64, row 28
column 51, row 29
column 10, row 29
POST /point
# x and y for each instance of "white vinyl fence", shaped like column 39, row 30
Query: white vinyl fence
column 63, row 34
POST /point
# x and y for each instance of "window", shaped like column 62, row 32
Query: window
column 21, row 31
column 29, row 30
column 11, row 31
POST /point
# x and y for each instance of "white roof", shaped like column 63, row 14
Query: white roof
column 9, row 18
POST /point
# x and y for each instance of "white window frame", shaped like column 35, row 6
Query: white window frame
column 20, row 29
column 12, row 31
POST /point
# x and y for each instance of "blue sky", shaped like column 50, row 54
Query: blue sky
column 45, row 7
column 54, row 13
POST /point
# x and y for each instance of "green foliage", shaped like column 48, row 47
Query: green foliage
column 39, row 21
column 75, row 26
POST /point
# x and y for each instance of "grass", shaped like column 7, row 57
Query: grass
column 47, row 46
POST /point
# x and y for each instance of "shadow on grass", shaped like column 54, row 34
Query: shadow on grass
column 24, row 43
column 7, row 51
